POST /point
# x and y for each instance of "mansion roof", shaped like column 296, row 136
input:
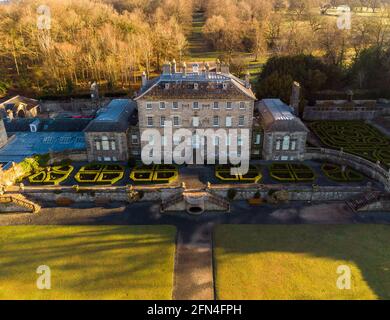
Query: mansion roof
column 277, row 116
column 116, row 117
column 203, row 85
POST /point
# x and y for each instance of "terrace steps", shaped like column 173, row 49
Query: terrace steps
column 20, row 201
column 195, row 202
column 363, row 200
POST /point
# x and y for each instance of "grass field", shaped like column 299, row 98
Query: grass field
column 300, row 261
column 88, row 262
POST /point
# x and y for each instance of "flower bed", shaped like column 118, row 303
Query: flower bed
column 334, row 172
column 291, row 172
column 51, row 175
column 100, row 173
column 162, row 173
column 222, row 172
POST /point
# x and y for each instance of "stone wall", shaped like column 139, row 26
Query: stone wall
column 244, row 192
column 372, row 170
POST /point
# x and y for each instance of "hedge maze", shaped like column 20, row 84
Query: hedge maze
column 100, row 173
column 291, row 172
column 355, row 137
column 336, row 173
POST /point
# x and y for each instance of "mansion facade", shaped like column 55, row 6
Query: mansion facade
column 196, row 99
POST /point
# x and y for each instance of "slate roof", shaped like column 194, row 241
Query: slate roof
column 46, row 125
column 116, row 117
column 210, row 86
column 277, row 116
column 24, row 144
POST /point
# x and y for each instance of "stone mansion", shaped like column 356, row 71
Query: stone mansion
column 194, row 99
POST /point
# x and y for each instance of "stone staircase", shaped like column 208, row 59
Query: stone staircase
column 19, row 201
column 363, row 200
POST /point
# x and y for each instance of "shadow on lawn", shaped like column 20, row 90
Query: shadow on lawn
column 90, row 260
column 368, row 246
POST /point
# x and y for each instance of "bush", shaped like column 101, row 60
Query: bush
column 231, row 194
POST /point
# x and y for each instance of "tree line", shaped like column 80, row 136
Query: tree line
column 105, row 41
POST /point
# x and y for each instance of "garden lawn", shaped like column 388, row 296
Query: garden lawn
column 300, row 261
column 88, row 262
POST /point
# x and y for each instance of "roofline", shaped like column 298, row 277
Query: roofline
column 236, row 81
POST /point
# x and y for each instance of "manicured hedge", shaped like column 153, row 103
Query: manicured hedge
column 51, row 175
column 355, row 137
column 222, row 172
column 291, row 172
column 160, row 173
column 100, row 173
column 334, row 172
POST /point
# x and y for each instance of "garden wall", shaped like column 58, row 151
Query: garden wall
column 96, row 194
column 372, row 170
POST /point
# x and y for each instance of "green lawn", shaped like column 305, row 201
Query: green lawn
column 88, row 262
column 300, row 261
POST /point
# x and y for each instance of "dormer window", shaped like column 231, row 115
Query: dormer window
column 196, row 86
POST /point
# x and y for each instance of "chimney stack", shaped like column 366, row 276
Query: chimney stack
column 195, row 68
column 295, row 97
column 144, row 79
column 207, row 69
column 184, row 68
column 218, row 66
column 166, row 70
column 247, row 80
column 174, row 66
column 225, row 68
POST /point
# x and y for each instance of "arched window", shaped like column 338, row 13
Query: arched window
column 286, row 143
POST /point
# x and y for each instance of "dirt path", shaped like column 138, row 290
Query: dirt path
column 194, row 264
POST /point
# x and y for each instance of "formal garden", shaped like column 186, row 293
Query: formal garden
column 69, row 173
column 160, row 173
column 223, row 173
column 355, row 137
column 97, row 173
